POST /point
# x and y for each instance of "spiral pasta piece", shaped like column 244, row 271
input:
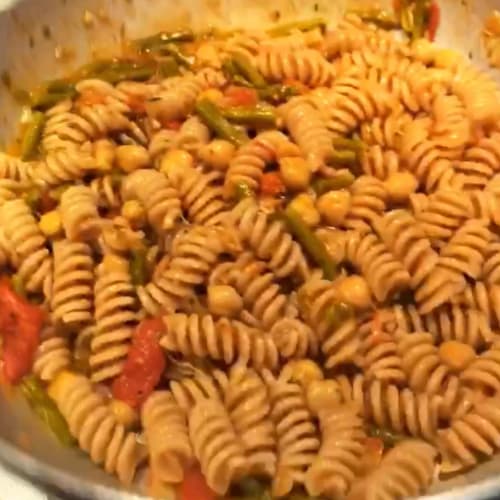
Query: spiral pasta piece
column 93, row 424
column 161, row 142
column 52, row 356
column 406, row 471
column 14, row 169
column 385, row 275
column 379, row 163
column 27, row 242
column 192, row 135
column 166, row 431
column 385, row 131
column 155, row 192
column 79, row 214
column 304, row 65
column 250, row 160
column 342, row 344
column 294, row 339
column 308, row 130
column 115, row 319
column 216, row 445
column 247, row 401
column 338, row 462
column 72, row 294
column 107, row 191
column 297, row 437
column 201, row 196
column 269, row 240
column 223, row 340
column 484, row 372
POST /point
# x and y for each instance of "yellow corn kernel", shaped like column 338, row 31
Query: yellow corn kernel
column 400, row 186
column 224, row 300
column 322, row 394
column 334, row 206
column 354, row 290
column 213, row 95
column 303, row 204
column 304, row 371
column 124, row 414
column 176, row 160
column 447, row 58
column 134, row 212
column 50, row 223
column 104, row 153
column 60, row 382
column 456, row 355
column 217, row 154
column 114, row 263
column 130, row 157
column 295, row 172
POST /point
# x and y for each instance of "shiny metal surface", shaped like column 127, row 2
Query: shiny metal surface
column 29, row 35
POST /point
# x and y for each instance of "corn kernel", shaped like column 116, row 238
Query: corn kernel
column 456, row 355
column 134, row 212
column 303, row 204
column 174, row 161
column 60, row 382
column 130, row 157
column 295, row 172
column 124, row 414
column 304, row 371
column 50, row 223
column 213, row 95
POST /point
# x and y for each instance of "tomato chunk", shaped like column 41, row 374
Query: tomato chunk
column 144, row 366
column 240, row 96
column 434, row 20
column 20, row 326
column 195, row 487
column 271, row 184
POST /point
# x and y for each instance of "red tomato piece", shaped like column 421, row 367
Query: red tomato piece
column 20, row 326
column 144, row 366
column 374, row 450
column 434, row 20
column 271, row 184
column 194, row 486
column 137, row 104
column 171, row 124
column 240, row 96
column 396, row 5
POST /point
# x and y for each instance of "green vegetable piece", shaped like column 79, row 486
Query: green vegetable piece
column 277, row 93
column 46, row 409
column 243, row 191
column 311, row 244
column 342, row 181
column 168, row 67
column 257, row 115
column 344, row 157
column 47, row 100
column 221, row 127
column 338, row 313
column 246, row 69
column 419, row 19
column 250, row 487
column 60, row 86
column 94, row 68
column 32, row 198
column 133, row 72
column 382, row 18
column 138, row 271
column 117, row 176
column 342, row 143
column 162, row 38
column 18, row 285
column 229, row 69
column 32, row 136
column 389, row 438
column 179, row 56
column 304, row 25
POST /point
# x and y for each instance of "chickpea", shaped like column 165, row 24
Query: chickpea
column 400, row 186
column 354, row 290
column 304, row 371
column 130, row 158
column 334, row 206
column 134, row 212
column 322, row 394
column 296, row 173
column 218, row 154
column 303, row 204
column 104, row 152
column 175, row 160
column 124, row 414
column 224, row 300
column 456, row 355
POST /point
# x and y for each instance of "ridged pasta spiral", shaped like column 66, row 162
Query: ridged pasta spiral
column 247, row 401
column 491, row 267
column 298, row 440
column 79, row 214
column 385, row 131
column 192, row 135
column 27, row 242
column 245, row 45
column 223, row 340
column 475, row 435
column 201, row 196
column 211, row 78
column 406, row 471
column 338, row 462
column 10, row 189
column 483, row 297
column 155, row 192
column 63, row 166
column 194, row 253
column 14, row 169
column 216, row 445
column 107, row 191
column 342, row 344
column 118, row 237
column 483, row 373
column 368, row 201
column 115, row 319
column 385, row 275
column 94, row 425
column 161, row 142
column 166, row 430
column 485, row 204
column 72, row 292
column 191, row 390
column 304, row 65
column 269, row 240
column 52, row 356
column 251, row 159
column 380, row 163
column 294, row 339
column 307, row 128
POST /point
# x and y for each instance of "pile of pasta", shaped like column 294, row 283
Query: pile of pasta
column 275, row 368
